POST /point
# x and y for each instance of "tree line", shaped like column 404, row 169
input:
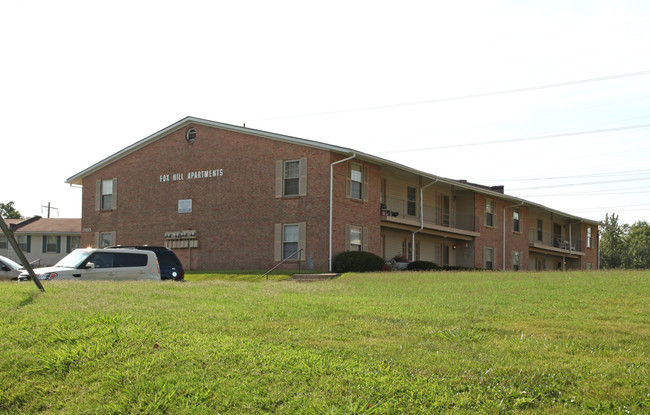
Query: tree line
column 624, row 246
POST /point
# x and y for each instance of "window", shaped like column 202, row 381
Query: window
column 290, row 241
column 490, row 211
column 51, row 245
column 123, row 260
column 105, row 239
column 488, row 258
column 102, row 259
column 516, row 260
column 24, row 242
column 589, row 238
column 540, row 230
column 291, row 178
column 106, row 194
column 74, row 242
column 516, row 225
column 356, row 182
column 3, row 242
column 356, row 238
column 411, row 199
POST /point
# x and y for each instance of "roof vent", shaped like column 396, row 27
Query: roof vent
column 190, row 135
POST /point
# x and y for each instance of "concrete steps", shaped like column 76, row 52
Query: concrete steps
column 313, row 277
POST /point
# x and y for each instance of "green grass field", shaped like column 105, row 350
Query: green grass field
column 479, row 342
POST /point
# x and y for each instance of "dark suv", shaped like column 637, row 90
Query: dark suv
column 170, row 266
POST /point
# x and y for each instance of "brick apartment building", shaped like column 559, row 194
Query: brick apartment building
column 230, row 197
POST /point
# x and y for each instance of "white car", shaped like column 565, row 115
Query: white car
column 9, row 270
column 91, row 264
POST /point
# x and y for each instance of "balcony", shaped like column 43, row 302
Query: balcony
column 555, row 243
column 405, row 212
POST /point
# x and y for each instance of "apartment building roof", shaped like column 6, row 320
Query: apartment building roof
column 495, row 191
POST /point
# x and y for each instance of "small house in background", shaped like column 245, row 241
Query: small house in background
column 44, row 241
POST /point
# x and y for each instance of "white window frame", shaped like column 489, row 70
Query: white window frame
column 282, row 176
column 23, row 242
column 51, row 244
column 291, row 178
column 291, row 231
column 356, row 181
column 590, row 241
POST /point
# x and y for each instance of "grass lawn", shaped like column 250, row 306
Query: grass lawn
column 480, row 342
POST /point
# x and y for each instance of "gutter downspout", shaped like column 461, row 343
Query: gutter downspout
column 421, row 218
column 331, row 198
column 504, row 230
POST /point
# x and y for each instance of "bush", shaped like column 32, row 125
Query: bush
column 423, row 266
column 357, row 261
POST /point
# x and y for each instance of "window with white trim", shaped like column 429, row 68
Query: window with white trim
column 291, row 178
column 356, row 181
column 590, row 240
column 290, row 239
column 51, row 244
column 24, row 242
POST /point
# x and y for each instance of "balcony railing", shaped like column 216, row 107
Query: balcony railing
column 403, row 209
column 552, row 240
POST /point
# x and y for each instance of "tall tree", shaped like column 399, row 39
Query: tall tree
column 612, row 243
column 637, row 254
column 8, row 211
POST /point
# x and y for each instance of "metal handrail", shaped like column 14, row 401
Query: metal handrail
column 299, row 252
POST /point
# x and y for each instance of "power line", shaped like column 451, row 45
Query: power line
column 512, row 140
column 469, row 96
column 624, row 191
column 582, row 184
column 626, row 173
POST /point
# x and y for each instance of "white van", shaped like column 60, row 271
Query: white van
column 91, row 264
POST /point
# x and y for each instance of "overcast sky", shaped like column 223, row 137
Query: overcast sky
column 549, row 98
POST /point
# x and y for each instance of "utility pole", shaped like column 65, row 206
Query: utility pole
column 19, row 252
column 49, row 208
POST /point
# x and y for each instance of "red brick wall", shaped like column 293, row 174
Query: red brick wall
column 492, row 236
column 234, row 214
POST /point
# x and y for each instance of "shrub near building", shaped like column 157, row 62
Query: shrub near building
column 357, row 261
